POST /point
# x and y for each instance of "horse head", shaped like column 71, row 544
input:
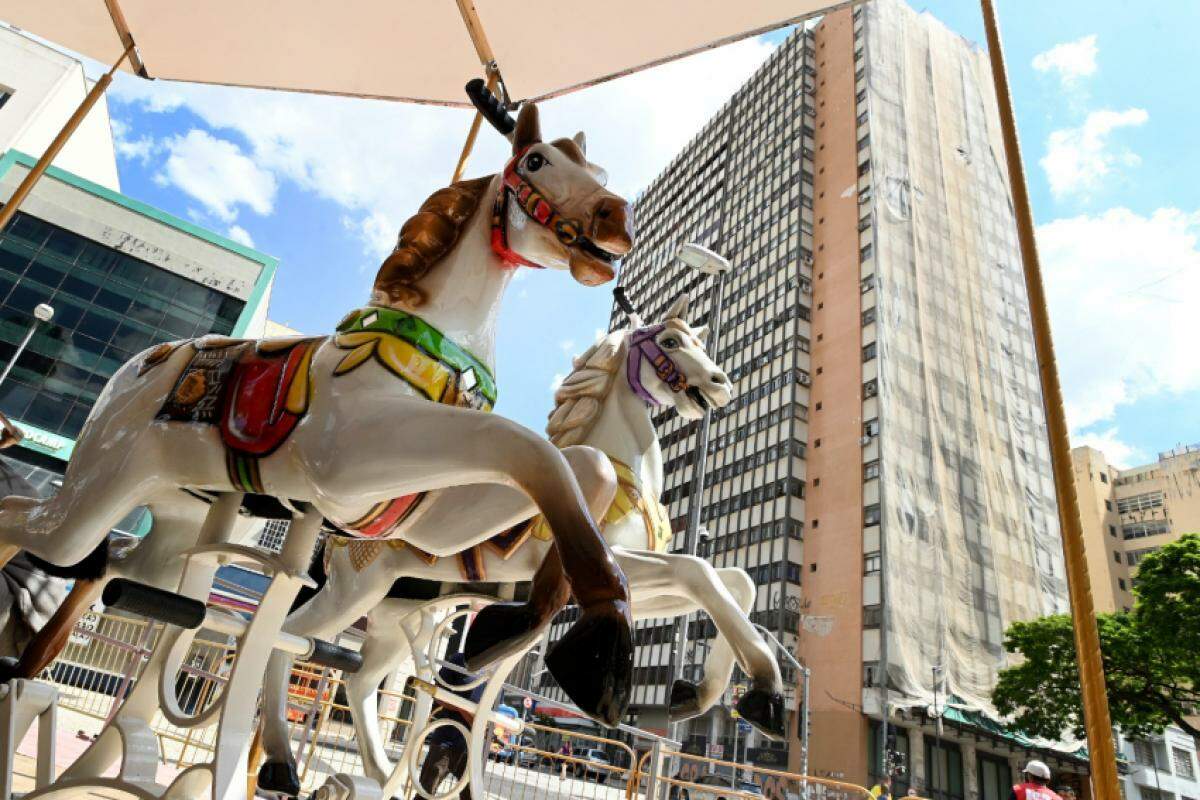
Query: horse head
column 557, row 212
column 666, row 364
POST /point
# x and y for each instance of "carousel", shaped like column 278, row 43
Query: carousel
column 378, row 437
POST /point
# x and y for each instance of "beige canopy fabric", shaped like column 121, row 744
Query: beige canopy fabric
column 413, row 50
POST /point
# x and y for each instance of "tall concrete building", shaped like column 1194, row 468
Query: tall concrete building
column 884, row 473
column 1129, row 513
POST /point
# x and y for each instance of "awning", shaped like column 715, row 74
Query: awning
column 422, row 52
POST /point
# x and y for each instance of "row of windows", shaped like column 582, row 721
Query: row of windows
column 768, row 420
column 788, row 314
column 774, row 572
column 1137, row 530
column 754, row 497
column 768, row 531
column 1140, row 502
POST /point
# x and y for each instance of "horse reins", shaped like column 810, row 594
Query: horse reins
column 535, row 205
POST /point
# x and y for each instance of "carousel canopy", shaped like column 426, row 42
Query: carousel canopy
column 398, row 49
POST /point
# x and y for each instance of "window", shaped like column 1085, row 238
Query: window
column 871, row 388
column 1143, row 753
column 1116, row 557
column 871, row 470
column 1112, row 530
column 5, row 93
column 868, row 316
column 1138, row 530
column 1108, row 505
column 871, row 428
column 872, row 616
column 1121, row 583
column 1185, row 767
column 871, row 515
column 866, row 251
column 1140, row 502
column 864, row 143
column 871, row 563
column 943, row 769
column 869, row 352
column 1103, row 478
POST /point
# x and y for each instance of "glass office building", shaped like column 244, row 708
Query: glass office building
column 121, row 276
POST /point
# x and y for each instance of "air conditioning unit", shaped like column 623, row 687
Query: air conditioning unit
column 804, row 380
column 864, row 441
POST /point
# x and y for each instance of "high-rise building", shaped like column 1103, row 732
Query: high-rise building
column 884, row 472
column 1129, row 513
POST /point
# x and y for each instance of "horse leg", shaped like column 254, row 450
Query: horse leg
column 432, row 447
column 346, row 596
column 697, row 581
column 385, row 646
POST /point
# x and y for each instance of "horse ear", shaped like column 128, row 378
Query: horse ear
column 678, row 309
column 529, row 129
column 581, row 142
column 701, row 333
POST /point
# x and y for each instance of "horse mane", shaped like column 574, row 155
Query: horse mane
column 426, row 238
column 580, row 397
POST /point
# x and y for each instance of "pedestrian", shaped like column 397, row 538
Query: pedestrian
column 1036, row 784
column 447, row 755
column 567, row 753
column 883, row 789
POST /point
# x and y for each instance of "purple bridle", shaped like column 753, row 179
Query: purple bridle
column 644, row 347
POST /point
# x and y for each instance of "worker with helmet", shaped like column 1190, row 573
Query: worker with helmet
column 1036, row 785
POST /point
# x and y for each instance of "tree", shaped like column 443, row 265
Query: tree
column 1151, row 656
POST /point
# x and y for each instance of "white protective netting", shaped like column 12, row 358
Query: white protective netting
column 968, row 503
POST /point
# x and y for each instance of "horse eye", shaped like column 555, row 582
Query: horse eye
column 534, row 162
column 670, row 341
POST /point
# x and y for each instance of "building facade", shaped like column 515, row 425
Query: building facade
column 1160, row 768
column 40, row 88
column 1129, row 513
column 120, row 277
column 883, row 474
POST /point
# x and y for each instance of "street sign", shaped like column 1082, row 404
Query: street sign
column 716, row 751
column 528, row 702
column 743, row 726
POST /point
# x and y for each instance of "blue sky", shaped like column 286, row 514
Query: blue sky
column 1108, row 123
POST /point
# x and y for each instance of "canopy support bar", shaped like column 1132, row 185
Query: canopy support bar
column 488, row 59
column 472, row 134
column 1087, row 639
column 27, row 184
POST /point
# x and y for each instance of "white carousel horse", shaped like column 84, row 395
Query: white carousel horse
column 605, row 403
column 343, row 426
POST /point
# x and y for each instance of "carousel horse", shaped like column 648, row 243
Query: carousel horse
column 605, row 403
column 382, row 428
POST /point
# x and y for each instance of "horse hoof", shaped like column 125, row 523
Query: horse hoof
column 499, row 630
column 280, row 778
column 9, row 668
column 763, row 710
column 593, row 662
column 685, row 701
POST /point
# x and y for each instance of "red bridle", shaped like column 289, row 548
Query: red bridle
column 535, row 205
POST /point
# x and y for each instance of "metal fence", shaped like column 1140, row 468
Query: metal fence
column 105, row 654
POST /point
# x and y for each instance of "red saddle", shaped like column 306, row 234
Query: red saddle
column 263, row 401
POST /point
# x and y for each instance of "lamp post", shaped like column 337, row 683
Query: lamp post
column 702, row 260
column 41, row 313
column 936, row 669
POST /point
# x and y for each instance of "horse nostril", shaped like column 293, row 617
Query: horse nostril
column 604, row 213
column 719, row 378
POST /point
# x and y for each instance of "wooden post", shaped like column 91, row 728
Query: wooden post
column 487, row 58
column 1087, row 639
column 22, row 191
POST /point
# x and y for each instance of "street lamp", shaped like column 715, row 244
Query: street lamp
column 707, row 262
column 41, row 313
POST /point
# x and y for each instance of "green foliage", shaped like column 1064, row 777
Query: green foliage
column 1151, row 656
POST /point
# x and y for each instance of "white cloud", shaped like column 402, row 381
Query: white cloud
column 379, row 160
column 1078, row 159
column 1122, row 291
column 218, row 174
column 1070, row 60
column 240, row 235
column 567, row 346
column 556, row 381
column 140, row 149
column 1117, row 452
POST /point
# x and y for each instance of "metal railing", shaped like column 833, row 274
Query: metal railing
column 104, row 657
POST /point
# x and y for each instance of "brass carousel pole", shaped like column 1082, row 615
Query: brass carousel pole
column 26, row 186
column 1097, row 722
column 488, row 59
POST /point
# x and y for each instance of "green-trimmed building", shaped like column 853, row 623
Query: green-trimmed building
column 120, row 276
